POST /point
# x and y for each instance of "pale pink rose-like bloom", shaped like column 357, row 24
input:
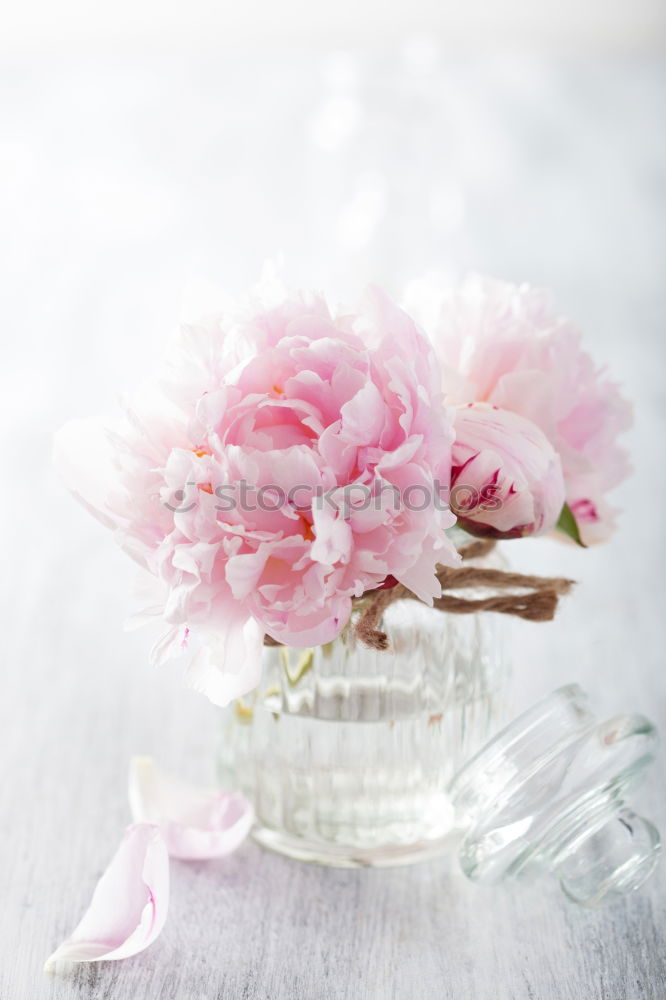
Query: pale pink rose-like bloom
column 506, row 478
column 504, row 344
column 274, row 394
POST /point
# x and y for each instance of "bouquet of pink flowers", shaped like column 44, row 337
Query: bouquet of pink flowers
column 289, row 459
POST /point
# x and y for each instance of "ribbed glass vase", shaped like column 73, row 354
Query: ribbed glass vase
column 347, row 752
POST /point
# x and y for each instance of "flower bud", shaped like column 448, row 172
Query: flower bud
column 506, row 477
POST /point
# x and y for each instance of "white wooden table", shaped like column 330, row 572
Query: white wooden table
column 130, row 172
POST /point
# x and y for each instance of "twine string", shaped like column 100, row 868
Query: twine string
column 534, row 598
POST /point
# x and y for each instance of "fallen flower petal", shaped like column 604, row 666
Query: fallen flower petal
column 129, row 905
column 196, row 824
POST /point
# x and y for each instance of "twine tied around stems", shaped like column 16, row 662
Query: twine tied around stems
column 534, row 598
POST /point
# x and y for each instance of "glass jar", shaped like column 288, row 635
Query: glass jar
column 347, row 752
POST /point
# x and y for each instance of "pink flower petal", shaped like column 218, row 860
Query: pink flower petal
column 129, row 905
column 229, row 665
column 196, row 824
column 88, row 481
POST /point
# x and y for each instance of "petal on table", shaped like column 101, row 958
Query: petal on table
column 129, row 905
column 196, row 824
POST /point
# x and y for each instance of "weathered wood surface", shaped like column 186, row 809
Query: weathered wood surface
column 577, row 201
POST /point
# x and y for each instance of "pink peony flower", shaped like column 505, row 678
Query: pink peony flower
column 263, row 480
column 503, row 344
column 506, row 479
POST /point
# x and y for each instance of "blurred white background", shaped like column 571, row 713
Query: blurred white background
column 595, row 25
column 146, row 145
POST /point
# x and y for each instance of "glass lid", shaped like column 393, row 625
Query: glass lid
column 549, row 792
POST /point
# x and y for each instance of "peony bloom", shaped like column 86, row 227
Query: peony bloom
column 262, row 480
column 506, row 478
column 503, row 344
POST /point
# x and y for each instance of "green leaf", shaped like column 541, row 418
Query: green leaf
column 567, row 525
